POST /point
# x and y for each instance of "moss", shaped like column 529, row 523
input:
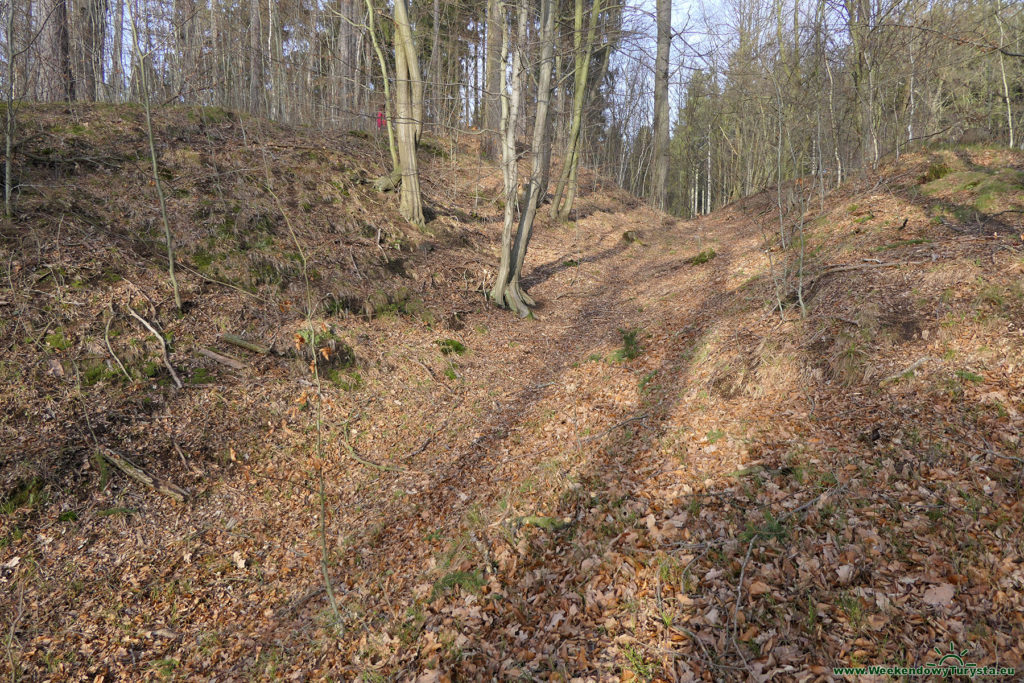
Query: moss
column 58, row 341
column 433, row 148
column 402, row 301
column 451, row 346
column 703, row 257
column 202, row 258
column 99, row 372
column 202, row 376
column 346, row 381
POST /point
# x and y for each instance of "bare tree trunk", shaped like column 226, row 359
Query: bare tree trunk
column 491, row 141
column 1002, row 71
column 515, row 297
column 437, row 88
column 88, row 30
column 565, row 192
column 409, row 111
column 392, row 145
column 9, row 114
column 55, row 82
column 143, row 71
column 661, row 103
column 510, row 98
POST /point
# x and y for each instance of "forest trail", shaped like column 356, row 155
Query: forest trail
column 660, row 477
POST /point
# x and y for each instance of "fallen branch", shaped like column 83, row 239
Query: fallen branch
column 235, row 340
column 142, row 476
column 363, row 461
column 225, row 360
column 163, row 346
column 106, row 338
column 910, row 368
column 615, row 426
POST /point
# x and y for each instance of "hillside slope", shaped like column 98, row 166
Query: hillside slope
column 664, row 476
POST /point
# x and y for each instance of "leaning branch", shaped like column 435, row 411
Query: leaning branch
column 163, row 346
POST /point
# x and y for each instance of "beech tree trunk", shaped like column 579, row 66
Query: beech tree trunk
column 490, row 143
column 660, row 174
column 565, row 192
column 508, row 288
column 409, row 113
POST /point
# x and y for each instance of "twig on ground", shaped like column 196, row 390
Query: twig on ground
column 910, row 368
column 623, row 423
column 163, row 346
column 106, row 338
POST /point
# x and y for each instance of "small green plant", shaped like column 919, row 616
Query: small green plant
column 468, row 581
column 715, row 434
column 68, row 516
column 991, row 293
column 703, row 257
column 638, row 664
column 451, row 347
column 853, row 609
column 646, row 380
column 97, row 373
column 968, row 376
column 630, row 346
column 772, row 528
column 27, row 494
column 812, row 613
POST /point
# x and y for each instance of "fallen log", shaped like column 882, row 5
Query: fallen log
column 225, row 360
column 142, row 476
column 235, row 340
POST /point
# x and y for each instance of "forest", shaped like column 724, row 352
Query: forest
column 556, row 340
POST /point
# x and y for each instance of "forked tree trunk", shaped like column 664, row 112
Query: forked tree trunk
column 514, row 255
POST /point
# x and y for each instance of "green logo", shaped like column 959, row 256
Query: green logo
column 951, row 657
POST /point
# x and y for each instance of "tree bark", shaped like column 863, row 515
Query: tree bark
column 55, row 80
column 510, row 97
column 508, row 289
column 660, row 175
column 490, row 142
column 565, row 192
column 409, row 112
